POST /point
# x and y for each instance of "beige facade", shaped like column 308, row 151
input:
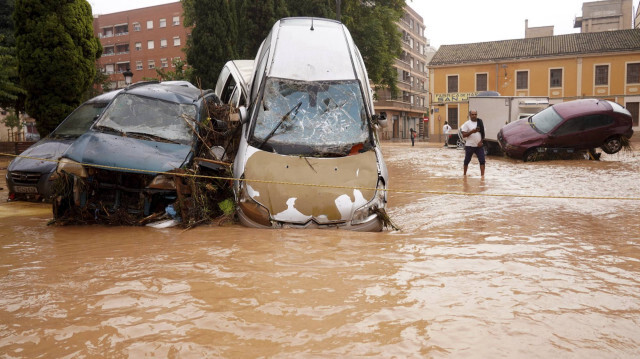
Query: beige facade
column 539, row 31
column 141, row 40
column 606, row 15
column 408, row 109
column 565, row 67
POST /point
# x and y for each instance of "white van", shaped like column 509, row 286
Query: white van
column 309, row 156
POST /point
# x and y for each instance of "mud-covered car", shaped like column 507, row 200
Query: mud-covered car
column 121, row 166
column 568, row 127
column 308, row 155
column 30, row 176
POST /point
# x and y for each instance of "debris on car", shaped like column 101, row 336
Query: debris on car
column 159, row 153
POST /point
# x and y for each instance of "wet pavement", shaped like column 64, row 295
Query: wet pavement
column 533, row 260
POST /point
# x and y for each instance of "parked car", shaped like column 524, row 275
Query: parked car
column 310, row 120
column 578, row 125
column 30, row 176
column 120, row 165
column 233, row 82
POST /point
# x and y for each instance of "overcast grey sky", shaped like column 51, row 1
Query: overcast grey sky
column 451, row 22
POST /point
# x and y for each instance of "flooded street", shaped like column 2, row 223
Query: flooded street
column 537, row 260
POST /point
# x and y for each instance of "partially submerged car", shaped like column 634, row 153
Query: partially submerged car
column 308, row 155
column 30, row 176
column 569, row 127
column 122, row 166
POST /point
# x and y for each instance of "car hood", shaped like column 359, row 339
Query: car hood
column 127, row 154
column 328, row 194
column 43, row 156
column 520, row 131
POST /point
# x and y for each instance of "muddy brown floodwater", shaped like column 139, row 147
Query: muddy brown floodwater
column 467, row 276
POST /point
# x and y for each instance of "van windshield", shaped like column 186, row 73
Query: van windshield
column 149, row 118
column 325, row 118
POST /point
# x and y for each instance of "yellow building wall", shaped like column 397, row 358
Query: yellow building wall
column 578, row 81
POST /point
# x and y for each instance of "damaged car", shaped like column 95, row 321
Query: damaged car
column 121, row 170
column 568, row 127
column 31, row 176
column 308, row 155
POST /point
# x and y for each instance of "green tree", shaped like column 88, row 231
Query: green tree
column 373, row 26
column 316, row 8
column 257, row 18
column 212, row 42
column 9, row 88
column 182, row 72
column 56, row 52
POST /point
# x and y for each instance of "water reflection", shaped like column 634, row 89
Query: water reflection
column 468, row 276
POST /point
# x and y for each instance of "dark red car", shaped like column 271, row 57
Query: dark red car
column 568, row 127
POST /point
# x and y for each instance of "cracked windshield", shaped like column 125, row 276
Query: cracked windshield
column 158, row 120
column 316, row 117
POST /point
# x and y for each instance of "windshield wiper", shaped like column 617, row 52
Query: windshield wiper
column 147, row 136
column 285, row 117
column 109, row 129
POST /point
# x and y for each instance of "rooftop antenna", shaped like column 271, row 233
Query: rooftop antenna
column 312, row 24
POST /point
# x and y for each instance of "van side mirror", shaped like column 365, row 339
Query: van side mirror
column 244, row 116
column 380, row 120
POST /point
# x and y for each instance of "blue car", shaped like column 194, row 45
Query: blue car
column 120, row 164
column 30, row 177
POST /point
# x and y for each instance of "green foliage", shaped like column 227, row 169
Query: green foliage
column 181, row 73
column 212, row 41
column 257, row 18
column 374, row 30
column 227, row 206
column 232, row 29
column 6, row 23
column 56, row 52
column 9, row 88
column 12, row 121
column 316, row 8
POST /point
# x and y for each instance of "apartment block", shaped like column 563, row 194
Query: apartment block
column 408, row 109
column 141, row 40
column 605, row 15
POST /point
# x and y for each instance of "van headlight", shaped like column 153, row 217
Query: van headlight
column 251, row 208
column 162, row 181
column 370, row 210
column 71, row 167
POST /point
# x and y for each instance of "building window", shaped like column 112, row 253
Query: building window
column 522, row 80
column 138, row 46
column 136, row 26
column 481, row 82
column 175, row 60
column 152, row 64
column 150, row 45
column 176, row 41
column 176, row 20
column 138, row 65
column 163, row 23
column 452, row 83
column 602, row 75
column 452, row 117
column 149, row 24
column 633, row 73
column 163, row 43
column 555, row 78
column 164, row 63
column 109, row 69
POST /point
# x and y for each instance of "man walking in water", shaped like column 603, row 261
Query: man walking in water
column 445, row 131
column 473, row 133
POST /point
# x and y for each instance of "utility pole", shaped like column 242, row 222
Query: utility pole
column 338, row 5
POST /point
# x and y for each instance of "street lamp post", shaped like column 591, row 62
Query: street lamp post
column 128, row 76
